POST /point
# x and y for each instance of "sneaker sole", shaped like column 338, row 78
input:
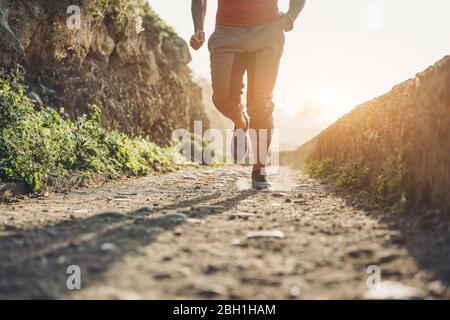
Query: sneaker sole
column 261, row 185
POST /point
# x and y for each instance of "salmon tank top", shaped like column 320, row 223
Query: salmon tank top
column 243, row 13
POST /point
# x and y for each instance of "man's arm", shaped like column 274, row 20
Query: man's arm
column 198, row 9
column 295, row 8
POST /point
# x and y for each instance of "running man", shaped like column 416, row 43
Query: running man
column 249, row 37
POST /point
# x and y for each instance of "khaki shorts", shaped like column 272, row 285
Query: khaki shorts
column 253, row 50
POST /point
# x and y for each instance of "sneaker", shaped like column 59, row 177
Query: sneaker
column 240, row 150
column 259, row 180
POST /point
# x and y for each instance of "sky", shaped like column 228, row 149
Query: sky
column 341, row 53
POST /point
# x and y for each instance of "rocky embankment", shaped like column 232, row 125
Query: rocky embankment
column 396, row 144
column 122, row 57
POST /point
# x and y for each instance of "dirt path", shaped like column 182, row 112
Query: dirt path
column 188, row 235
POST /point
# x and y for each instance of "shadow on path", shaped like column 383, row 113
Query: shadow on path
column 33, row 263
column 424, row 232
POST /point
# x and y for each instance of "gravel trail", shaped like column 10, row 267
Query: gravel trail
column 203, row 234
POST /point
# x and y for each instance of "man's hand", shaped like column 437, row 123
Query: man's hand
column 198, row 15
column 197, row 40
column 286, row 22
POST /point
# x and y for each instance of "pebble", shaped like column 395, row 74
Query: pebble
column 210, row 269
column 176, row 216
column 155, row 230
column 128, row 296
column 212, row 207
column 138, row 221
column 190, row 178
column 113, row 215
column 295, row 291
column 144, row 210
column 360, row 253
column 162, row 276
column 81, row 211
column 185, row 271
column 391, row 290
column 212, row 291
column 236, row 242
column 279, row 195
column 61, row 260
column 121, row 199
column 265, row 234
column 193, row 220
column 388, row 258
column 9, row 227
column 127, row 194
column 51, row 232
column 242, row 215
column 437, row 287
column 108, row 246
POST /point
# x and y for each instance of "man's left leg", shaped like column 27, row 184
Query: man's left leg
column 262, row 70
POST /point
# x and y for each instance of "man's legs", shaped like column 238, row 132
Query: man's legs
column 227, row 73
column 262, row 74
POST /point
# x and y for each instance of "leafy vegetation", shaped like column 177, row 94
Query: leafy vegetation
column 352, row 175
column 38, row 144
column 389, row 188
column 126, row 12
column 392, row 182
column 122, row 10
column 319, row 168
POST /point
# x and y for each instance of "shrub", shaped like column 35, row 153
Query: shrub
column 38, row 144
column 352, row 175
column 392, row 182
column 319, row 168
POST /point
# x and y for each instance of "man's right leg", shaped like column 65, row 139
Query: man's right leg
column 262, row 74
column 227, row 74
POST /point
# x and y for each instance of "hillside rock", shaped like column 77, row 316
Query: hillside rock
column 123, row 58
column 11, row 49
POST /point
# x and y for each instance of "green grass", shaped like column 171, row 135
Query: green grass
column 125, row 11
column 319, row 168
column 388, row 189
column 391, row 183
column 36, row 144
column 352, row 175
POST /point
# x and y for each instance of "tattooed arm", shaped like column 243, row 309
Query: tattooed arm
column 198, row 15
column 287, row 20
